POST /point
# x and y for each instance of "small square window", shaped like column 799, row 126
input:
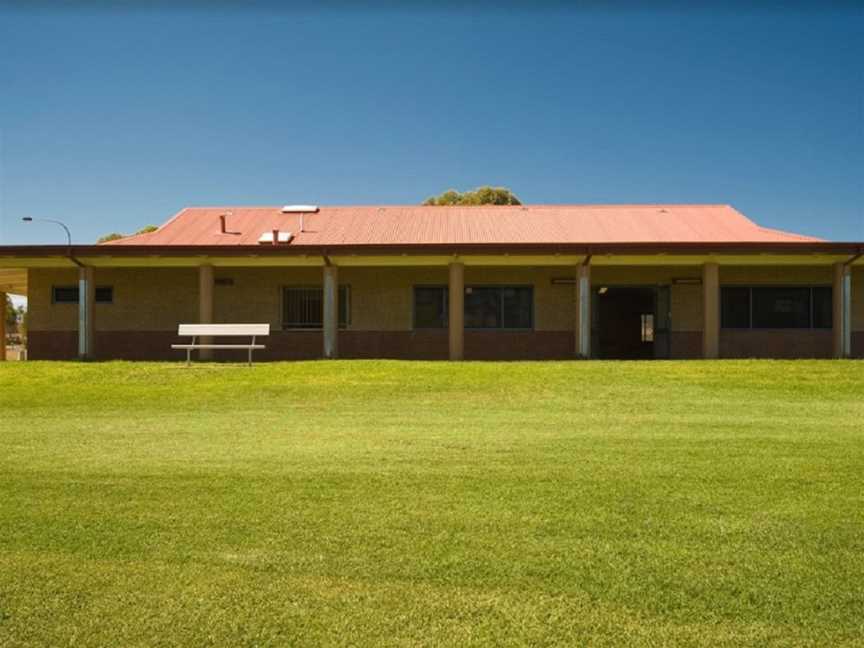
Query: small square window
column 69, row 294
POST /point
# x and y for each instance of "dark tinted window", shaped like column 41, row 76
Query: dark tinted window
column 69, row 294
column 482, row 308
column 104, row 294
column 823, row 309
column 430, row 307
column 304, row 307
column 499, row 307
column 781, row 307
column 65, row 295
column 516, row 307
column 735, row 307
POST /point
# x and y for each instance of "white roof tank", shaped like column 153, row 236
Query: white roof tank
column 299, row 209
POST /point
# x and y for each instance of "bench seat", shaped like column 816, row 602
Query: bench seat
column 220, row 330
column 218, row 346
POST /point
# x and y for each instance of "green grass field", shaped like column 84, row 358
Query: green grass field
column 389, row 503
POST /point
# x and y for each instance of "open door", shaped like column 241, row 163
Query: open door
column 625, row 322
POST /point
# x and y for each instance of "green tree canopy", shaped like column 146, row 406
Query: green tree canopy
column 480, row 196
column 113, row 236
column 9, row 312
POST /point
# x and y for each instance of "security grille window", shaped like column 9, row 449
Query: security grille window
column 303, row 308
column 69, row 294
column 430, row 307
column 776, row 307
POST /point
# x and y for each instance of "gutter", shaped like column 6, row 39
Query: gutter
column 855, row 249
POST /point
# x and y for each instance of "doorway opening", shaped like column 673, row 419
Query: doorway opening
column 632, row 322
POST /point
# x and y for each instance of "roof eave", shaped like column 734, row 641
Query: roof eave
column 674, row 247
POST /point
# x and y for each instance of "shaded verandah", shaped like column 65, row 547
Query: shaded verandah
column 708, row 269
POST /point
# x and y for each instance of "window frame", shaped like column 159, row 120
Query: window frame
column 811, row 288
column 341, row 287
column 446, row 290
column 77, row 300
column 445, row 301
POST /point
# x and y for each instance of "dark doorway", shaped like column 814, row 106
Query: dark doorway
column 626, row 322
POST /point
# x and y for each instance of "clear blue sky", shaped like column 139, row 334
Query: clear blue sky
column 112, row 119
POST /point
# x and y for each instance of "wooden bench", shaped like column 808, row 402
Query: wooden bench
column 220, row 330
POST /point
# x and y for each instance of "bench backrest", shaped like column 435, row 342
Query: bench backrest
column 223, row 329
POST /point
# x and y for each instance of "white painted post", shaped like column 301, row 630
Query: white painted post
column 331, row 311
column 583, row 311
column 842, row 307
column 86, row 304
column 205, row 306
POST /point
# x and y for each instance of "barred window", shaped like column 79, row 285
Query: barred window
column 303, row 307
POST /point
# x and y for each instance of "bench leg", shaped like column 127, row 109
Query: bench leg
column 188, row 357
column 250, row 356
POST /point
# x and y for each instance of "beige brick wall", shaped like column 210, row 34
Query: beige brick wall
column 155, row 299
column 146, row 299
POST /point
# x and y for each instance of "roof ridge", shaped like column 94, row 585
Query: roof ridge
column 522, row 206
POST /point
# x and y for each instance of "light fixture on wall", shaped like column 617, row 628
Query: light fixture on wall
column 603, row 290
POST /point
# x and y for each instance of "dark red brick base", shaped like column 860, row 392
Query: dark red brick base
column 308, row 345
column 858, row 344
column 772, row 343
column 433, row 345
column 685, row 345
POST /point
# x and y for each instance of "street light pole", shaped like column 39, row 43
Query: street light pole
column 86, row 294
column 29, row 219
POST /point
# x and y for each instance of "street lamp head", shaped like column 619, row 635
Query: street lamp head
column 27, row 219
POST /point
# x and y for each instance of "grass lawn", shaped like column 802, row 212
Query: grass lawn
column 391, row 503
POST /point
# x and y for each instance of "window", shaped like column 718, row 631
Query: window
column 823, row 307
column 430, row 307
column 486, row 307
column 69, row 294
column 303, row 308
column 735, row 307
column 780, row 308
column 776, row 307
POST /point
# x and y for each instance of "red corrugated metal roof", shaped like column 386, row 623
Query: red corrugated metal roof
column 493, row 225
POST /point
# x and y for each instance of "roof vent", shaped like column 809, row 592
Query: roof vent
column 268, row 238
column 300, row 209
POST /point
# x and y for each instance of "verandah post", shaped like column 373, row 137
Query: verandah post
column 331, row 311
column 583, row 310
column 842, row 311
column 710, row 311
column 205, row 306
column 86, row 304
column 456, row 321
